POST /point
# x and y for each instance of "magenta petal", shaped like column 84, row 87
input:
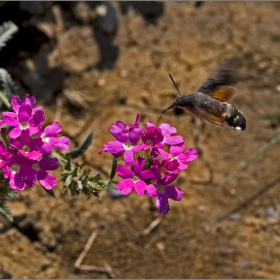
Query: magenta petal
column 170, row 177
column 31, row 155
column 189, row 155
column 124, row 172
column 125, row 186
column 9, row 114
column 46, row 180
column 139, row 165
column 36, row 144
column 172, row 165
column 60, row 143
column 28, row 175
column 167, row 130
column 128, row 157
column 151, row 190
column 137, row 148
column 114, row 146
column 46, row 148
column 29, row 100
column 140, row 187
column 121, row 125
column 163, row 153
column 11, row 121
column 48, row 163
column 119, row 134
column 15, row 102
column 173, row 140
column 7, row 172
column 162, row 204
column 24, row 113
column 14, row 133
column 15, row 143
column 38, row 118
column 135, row 135
column 16, row 182
column 177, row 150
column 53, row 129
column 33, row 130
column 147, row 174
column 150, row 124
column 173, row 193
column 25, row 137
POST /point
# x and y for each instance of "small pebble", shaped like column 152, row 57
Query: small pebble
column 114, row 193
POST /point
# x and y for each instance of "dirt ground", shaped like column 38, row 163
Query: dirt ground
column 88, row 71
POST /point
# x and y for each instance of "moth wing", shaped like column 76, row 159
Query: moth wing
column 223, row 93
column 201, row 113
column 224, row 76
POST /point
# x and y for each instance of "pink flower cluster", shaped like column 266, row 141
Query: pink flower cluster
column 153, row 159
column 25, row 151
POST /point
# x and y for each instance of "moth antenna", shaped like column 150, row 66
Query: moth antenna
column 164, row 112
column 174, row 84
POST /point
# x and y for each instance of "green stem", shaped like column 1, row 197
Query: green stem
column 250, row 159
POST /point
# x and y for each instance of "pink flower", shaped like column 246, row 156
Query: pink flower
column 176, row 153
column 45, row 179
column 50, row 140
column 126, row 142
column 5, row 154
column 163, row 191
column 28, row 147
column 19, row 172
column 24, row 121
column 134, row 179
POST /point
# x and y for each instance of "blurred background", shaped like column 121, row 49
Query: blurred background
column 91, row 64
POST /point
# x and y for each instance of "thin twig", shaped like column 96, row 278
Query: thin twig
column 250, row 159
column 153, row 225
column 273, row 233
column 92, row 268
column 250, row 200
column 86, row 249
column 109, row 270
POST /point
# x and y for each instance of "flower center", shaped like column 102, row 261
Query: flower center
column 149, row 142
column 15, row 168
column 135, row 178
column 35, row 166
column 128, row 146
column 23, row 125
column 160, row 188
column 25, row 148
column 44, row 138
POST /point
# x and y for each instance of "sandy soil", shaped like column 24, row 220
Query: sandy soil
column 88, row 73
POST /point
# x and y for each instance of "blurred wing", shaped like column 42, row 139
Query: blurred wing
column 224, row 76
column 223, row 93
column 201, row 113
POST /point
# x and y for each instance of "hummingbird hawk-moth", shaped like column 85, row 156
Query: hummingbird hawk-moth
column 209, row 102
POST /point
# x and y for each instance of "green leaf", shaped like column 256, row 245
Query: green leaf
column 7, row 85
column 80, row 150
column 7, row 30
column 4, row 100
column 6, row 212
column 114, row 167
column 50, row 192
column 11, row 195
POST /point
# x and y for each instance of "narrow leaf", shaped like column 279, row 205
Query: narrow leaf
column 7, row 29
column 80, row 150
column 7, row 84
column 6, row 212
column 50, row 192
column 114, row 167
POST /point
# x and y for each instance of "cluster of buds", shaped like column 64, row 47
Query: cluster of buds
column 25, row 147
column 151, row 158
